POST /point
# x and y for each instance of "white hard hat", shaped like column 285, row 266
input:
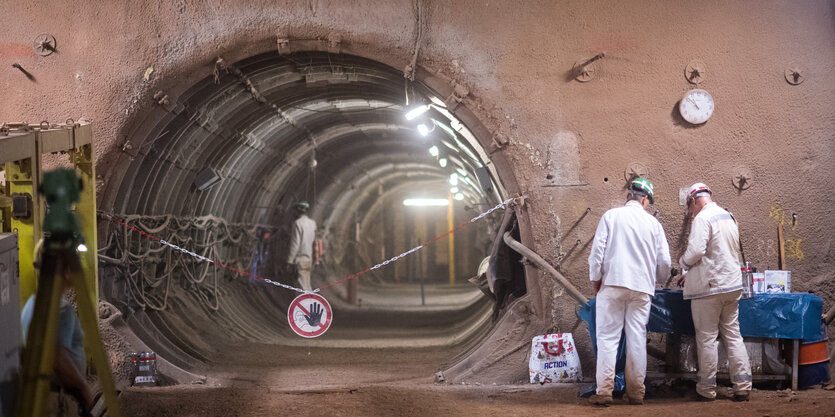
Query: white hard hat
column 699, row 189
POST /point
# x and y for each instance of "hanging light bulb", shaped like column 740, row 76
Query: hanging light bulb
column 417, row 111
column 433, row 150
column 442, row 162
column 453, row 190
column 453, row 179
column 422, row 129
column 459, row 196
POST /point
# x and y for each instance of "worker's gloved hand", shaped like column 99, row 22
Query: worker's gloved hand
column 315, row 315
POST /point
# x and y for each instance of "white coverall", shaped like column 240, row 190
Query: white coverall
column 629, row 254
column 302, row 236
column 713, row 285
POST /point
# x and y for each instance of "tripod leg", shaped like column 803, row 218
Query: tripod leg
column 87, row 313
column 39, row 354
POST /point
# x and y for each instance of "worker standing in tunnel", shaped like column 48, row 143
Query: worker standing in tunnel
column 630, row 252
column 713, row 284
column 302, row 236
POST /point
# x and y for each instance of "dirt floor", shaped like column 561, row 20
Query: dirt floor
column 275, row 380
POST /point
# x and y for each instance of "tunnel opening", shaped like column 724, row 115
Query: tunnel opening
column 218, row 169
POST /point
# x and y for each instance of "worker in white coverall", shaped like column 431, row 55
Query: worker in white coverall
column 302, row 235
column 713, row 284
column 630, row 252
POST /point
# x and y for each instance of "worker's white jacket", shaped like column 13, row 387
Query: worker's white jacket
column 712, row 257
column 302, row 235
column 630, row 250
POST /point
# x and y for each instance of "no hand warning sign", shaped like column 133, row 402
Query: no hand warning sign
column 309, row 315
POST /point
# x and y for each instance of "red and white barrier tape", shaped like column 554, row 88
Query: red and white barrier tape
column 289, row 287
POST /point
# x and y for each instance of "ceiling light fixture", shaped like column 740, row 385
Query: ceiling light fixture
column 423, row 202
column 422, row 129
column 442, row 162
column 433, row 150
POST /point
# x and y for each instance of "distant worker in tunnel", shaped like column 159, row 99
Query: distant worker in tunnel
column 302, row 236
column 713, row 284
column 630, row 252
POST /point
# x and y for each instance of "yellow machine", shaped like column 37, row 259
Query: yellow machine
column 70, row 222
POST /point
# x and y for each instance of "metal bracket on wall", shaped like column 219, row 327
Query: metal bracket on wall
column 283, row 44
column 795, row 75
column 334, row 42
column 499, row 141
column 584, row 70
column 695, row 71
column 44, row 44
column 459, row 93
column 635, row 170
column 741, row 179
column 168, row 103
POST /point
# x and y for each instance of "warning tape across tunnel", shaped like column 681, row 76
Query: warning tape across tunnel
column 114, row 219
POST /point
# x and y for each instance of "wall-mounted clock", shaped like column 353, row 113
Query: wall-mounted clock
column 696, row 106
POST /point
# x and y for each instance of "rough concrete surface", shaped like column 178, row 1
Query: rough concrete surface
column 569, row 142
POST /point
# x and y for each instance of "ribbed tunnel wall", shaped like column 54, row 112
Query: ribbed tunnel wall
column 313, row 126
column 566, row 145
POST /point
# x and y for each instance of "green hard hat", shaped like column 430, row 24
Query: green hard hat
column 642, row 184
column 302, row 206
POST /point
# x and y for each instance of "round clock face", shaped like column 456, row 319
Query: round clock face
column 696, row 106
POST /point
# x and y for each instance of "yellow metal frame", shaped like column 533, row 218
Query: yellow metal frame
column 21, row 158
column 21, row 150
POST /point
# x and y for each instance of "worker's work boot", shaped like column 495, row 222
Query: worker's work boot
column 633, row 400
column 600, row 399
column 702, row 398
column 741, row 396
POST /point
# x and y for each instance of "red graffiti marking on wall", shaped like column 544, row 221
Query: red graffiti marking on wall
column 15, row 50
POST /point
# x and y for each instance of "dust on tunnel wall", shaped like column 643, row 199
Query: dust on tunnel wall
column 564, row 137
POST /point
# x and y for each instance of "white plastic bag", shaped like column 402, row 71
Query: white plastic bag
column 554, row 359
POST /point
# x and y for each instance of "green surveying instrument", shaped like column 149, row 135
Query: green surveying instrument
column 60, row 266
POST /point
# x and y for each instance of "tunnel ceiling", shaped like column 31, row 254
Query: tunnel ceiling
column 262, row 122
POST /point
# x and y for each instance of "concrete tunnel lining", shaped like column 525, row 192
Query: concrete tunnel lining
column 171, row 160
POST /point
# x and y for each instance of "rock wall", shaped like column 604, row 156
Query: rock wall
column 570, row 144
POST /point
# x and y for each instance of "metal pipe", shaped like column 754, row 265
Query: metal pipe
column 541, row 263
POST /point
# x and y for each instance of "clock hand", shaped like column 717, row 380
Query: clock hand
column 694, row 103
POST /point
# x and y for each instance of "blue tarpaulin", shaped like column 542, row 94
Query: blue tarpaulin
column 784, row 316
